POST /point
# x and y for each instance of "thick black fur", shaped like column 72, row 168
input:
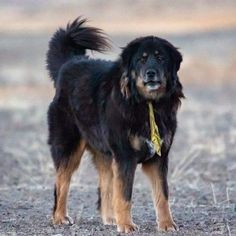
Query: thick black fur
column 89, row 104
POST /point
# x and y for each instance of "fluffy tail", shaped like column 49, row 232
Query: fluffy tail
column 74, row 40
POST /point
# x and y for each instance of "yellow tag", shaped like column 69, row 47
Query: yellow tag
column 155, row 135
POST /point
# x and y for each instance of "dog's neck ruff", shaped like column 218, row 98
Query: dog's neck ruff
column 155, row 135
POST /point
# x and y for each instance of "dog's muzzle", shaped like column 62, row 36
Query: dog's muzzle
column 152, row 80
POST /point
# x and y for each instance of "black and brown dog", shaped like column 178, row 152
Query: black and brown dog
column 102, row 106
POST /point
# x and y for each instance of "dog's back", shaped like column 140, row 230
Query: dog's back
column 76, row 78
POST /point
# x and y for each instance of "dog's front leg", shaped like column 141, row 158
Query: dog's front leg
column 156, row 170
column 123, row 177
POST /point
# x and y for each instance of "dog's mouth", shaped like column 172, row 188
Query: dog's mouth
column 152, row 85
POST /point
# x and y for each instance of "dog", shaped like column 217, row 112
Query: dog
column 103, row 106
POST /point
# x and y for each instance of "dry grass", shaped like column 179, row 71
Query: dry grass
column 202, row 170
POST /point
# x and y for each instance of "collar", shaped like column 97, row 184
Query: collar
column 155, row 135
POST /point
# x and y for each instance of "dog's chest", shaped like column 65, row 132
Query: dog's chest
column 141, row 124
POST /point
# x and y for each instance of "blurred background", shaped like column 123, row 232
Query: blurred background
column 202, row 172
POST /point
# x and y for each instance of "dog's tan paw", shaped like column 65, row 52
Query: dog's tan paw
column 109, row 221
column 127, row 228
column 167, row 225
column 62, row 220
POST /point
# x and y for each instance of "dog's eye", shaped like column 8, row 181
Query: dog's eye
column 143, row 59
column 160, row 58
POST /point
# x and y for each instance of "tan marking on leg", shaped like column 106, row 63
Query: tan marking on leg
column 63, row 178
column 161, row 204
column 122, row 208
column 103, row 165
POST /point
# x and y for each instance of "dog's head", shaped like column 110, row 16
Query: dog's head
column 150, row 67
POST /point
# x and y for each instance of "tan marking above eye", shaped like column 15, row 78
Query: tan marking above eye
column 145, row 54
column 156, row 52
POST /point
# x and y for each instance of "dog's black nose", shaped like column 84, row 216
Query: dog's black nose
column 150, row 74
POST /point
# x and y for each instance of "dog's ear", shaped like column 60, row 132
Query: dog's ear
column 176, row 59
column 126, row 63
column 129, row 51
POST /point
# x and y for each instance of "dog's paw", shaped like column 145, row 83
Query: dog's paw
column 127, row 228
column 167, row 225
column 109, row 221
column 62, row 220
column 151, row 149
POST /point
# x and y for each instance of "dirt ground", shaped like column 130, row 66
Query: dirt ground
column 202, row 173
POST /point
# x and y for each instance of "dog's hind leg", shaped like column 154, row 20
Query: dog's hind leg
column 103, row 165
column 63, row 177
column 67, row 148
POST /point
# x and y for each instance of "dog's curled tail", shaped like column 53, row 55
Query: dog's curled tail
column 74, row 40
